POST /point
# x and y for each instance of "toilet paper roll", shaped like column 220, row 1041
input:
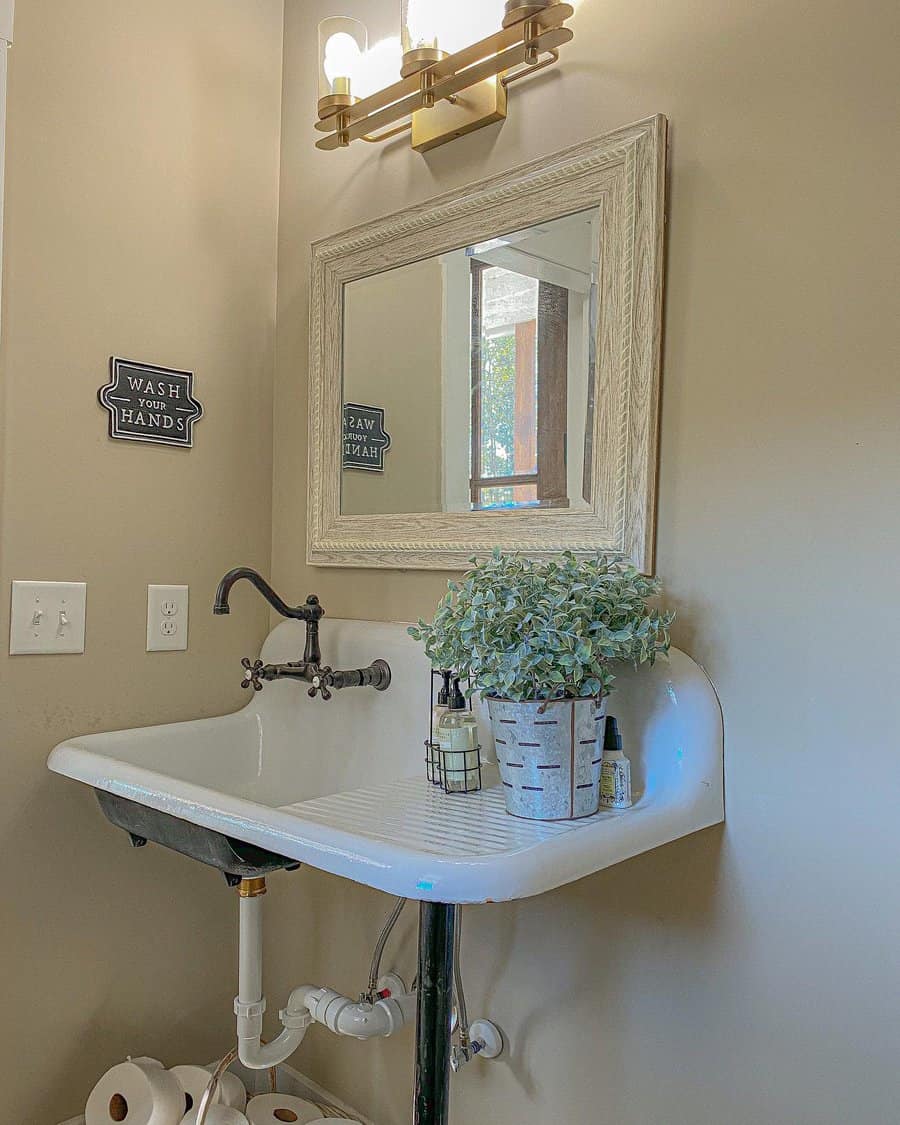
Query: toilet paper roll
column 139, row 1092
column 217, row 1115
column 195, row 1079
column 276, row 1109
column 233, row 1091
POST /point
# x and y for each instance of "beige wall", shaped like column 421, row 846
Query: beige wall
column 745, row 977
column 141, row 199
column 396, row 364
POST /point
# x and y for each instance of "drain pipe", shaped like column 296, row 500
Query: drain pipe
column 363, row 1019
column 250, row 1003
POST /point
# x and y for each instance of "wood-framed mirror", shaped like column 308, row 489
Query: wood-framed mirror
column 484, row 367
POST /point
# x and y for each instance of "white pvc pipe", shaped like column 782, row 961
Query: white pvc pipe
column 339, row 1013
column 250, row 1003
column 361, row 1020
column 250, row 946
column 262, row 1056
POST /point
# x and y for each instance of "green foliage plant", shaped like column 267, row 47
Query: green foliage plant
column 529, row 629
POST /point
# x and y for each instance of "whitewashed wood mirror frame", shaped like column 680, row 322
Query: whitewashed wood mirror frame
column 622, row 175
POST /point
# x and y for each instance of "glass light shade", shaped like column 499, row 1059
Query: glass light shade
column 419, row 23
column 483, row 18
column 448, row 25
column 342, row 46
column 378, row 67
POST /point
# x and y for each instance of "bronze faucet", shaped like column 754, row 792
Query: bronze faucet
column 309, row 669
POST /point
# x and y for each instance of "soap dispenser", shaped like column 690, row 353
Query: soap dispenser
column 440, row 708
column 458, row 741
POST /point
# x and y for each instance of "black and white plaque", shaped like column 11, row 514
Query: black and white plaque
column 365, row 439
column 151, row 404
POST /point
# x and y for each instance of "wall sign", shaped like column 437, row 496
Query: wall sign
column 365, row 439
column 151, row 404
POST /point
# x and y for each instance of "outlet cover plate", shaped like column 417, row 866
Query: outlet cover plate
column 167, row 618
column 47, row 617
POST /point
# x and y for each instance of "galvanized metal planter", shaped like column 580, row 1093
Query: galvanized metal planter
column 549, row 755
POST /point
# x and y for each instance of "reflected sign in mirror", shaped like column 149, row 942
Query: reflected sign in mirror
column 484, row 360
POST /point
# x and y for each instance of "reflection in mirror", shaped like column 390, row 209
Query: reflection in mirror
column 483, row 361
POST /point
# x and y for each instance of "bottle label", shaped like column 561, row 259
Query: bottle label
column 459, row 752
column 615, row 784
column 456, row 738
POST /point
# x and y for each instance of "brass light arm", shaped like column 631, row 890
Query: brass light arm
column 379, row 138
column 551, row 59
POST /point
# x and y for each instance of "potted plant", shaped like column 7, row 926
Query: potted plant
column 539, row 639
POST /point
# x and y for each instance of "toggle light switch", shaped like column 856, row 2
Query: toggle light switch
column 47, row 617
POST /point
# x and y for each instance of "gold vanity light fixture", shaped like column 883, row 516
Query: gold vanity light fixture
column 449, row 85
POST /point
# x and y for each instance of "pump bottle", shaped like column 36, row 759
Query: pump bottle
column 458, row 739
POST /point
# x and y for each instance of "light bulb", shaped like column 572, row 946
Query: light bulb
column 421, row 23
column 342, row 41
column 378, row 67
column 451, row 24
column 342, row 58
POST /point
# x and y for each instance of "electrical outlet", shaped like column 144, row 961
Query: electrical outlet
column 167, row 618
column 47, row 617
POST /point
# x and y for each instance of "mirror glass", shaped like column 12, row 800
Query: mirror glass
column 468, row 377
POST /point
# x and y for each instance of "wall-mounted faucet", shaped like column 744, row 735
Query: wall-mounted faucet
column 309, row 669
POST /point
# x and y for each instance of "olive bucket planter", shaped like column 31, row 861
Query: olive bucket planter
column 549, row 755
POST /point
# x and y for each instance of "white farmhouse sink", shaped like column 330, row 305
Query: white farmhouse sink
column 340, row 786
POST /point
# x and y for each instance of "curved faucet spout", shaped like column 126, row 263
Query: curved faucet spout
column 312, row 611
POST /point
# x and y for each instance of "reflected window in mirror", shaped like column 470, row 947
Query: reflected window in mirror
column 483, row 360
column 520, row 390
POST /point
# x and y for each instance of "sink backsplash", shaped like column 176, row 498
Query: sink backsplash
column 366, row 736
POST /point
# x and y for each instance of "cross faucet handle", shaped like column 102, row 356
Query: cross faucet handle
column 252, row 677
column 322, row 682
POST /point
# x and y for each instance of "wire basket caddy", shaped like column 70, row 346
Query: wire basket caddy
column 454, row 771
column 432, row 746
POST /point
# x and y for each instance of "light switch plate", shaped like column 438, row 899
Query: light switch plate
column 47, row 617
column 167, row 618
